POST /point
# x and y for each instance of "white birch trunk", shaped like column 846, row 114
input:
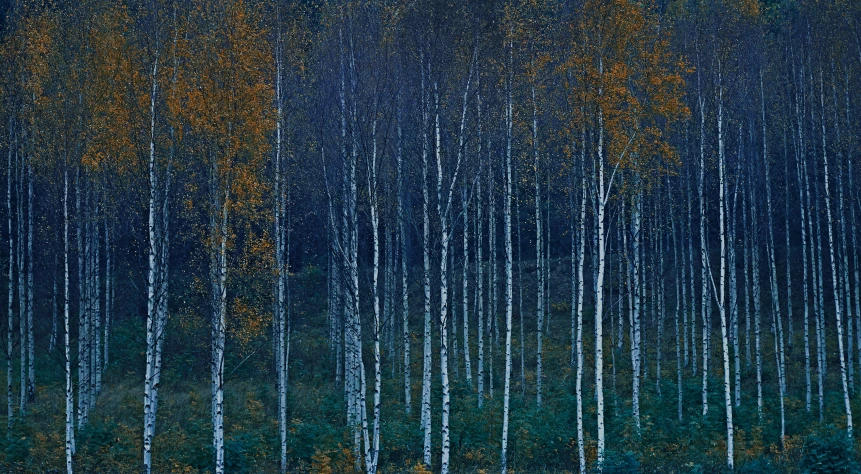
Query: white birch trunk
column 81, row 301
column 748, row 291
column 812, row 223
column 444, row 211
column 805, row 291
column 109, row 295
column 683, row 290
column 10, row 312
column 723, row 277
column 756, row 304
column 509, row 290
column 70, row 400
column 479, row 245
column 31, row 368
column 455, row 350
column 372, row 451
column 573, row 260
column 678, row 259
column 539, row 251
column 218, row 280
column 854, row 232
column 492, row 255
column 636, row 242
column 844, row 253
column 22, row 293
column 732, row 261
column 798, row 138
column 465, row 282
column 402, row 232
column 775, row 300
column 359, row 379
column 661, row 302
column 581, row 260
column 837, row 306
column 791, row 332
column 603, row 192
column 280, row 267
column 820, row 303
column 426, row 362
column 704, row 302
column 693, row 310
column 152, row 275
column 522, row 346
column 96, row 319
column 819, row 275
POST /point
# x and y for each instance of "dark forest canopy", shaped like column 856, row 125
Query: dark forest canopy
column 412, row 236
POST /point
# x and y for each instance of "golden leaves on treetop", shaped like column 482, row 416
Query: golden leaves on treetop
column 623, row 71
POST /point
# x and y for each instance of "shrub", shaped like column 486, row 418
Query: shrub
column 620, row 463
column 828, row 452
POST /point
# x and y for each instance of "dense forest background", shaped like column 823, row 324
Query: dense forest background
column 430, row 235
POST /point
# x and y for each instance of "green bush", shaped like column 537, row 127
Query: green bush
column 758, row 466
column 828, row 452
column 620, row 463
column 17, row 445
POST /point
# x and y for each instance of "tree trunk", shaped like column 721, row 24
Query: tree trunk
column 82, row 305
column 693, row 310
column 854, row 232
column 465, row 282
column 70, row 400
column 444, row 210
column 775, row 300
column 704, row 302
column 426, row 364
column 492, row 329
column 636, row 242
column 603, row 192
column 218, row 280
column 509, row 290
column 539, row 251
column 152, row 287
column 804, row 240
column 581, row 260
column 723, row 277
column 372, row 450
column 10, row 313
column 732, row 261
column 402, row 232
column 834, row 280
column 109, row 294
column 31, row 356
column 22, row 290
column 756, row 301
column 479, row 245
column 281, row 268
column 96, row 314
column 843, row 255
column 679, row 301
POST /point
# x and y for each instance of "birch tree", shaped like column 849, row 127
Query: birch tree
column 426, row 358
column 835, row 282
column 621, row 139
column 11, row 295
column 509, row 290
column 444, row 202
column 231, row 120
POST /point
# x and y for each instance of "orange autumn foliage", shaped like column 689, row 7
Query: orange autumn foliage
column 621, row 65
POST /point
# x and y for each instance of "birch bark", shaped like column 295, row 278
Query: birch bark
column 837, row 306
